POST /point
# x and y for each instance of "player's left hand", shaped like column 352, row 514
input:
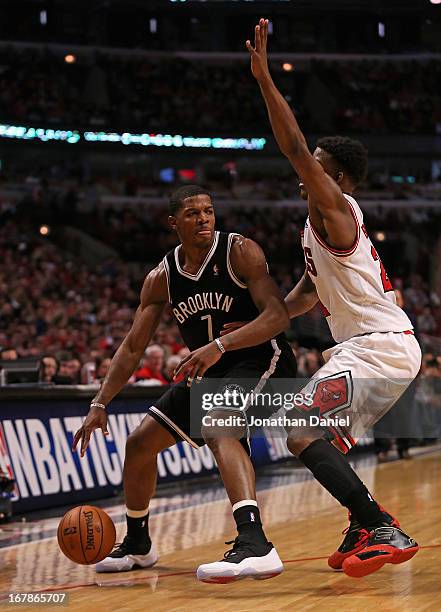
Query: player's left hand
column 197, row 362
column 258, row 53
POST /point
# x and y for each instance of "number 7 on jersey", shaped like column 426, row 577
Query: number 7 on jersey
column 210, row 326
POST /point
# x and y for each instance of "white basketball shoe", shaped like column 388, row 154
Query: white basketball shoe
column 245, row 559
column 130, row 554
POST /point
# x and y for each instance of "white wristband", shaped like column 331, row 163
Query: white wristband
column 220, row 346
column 98, row 405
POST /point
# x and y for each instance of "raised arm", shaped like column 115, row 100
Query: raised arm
column 327, row 204
column 249, row 264
column 153, row 299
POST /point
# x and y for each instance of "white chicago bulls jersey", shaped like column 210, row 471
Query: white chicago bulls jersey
column 352, row 285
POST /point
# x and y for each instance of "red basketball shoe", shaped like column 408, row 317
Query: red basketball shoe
column 356, row 538
column 384, row 545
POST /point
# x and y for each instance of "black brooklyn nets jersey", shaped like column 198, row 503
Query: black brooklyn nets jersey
column 202, row 303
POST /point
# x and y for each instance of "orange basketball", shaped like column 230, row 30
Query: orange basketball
column 86, row 534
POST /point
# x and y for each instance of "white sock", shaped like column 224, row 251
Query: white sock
column 136, row 513
column 244, row 502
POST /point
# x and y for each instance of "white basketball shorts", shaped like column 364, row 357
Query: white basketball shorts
column 361, row 380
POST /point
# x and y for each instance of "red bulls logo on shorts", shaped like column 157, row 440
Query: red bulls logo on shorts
column 327, row 395
column 332, row 394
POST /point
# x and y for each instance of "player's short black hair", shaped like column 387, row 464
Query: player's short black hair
column 350, row 154
column 187, row 191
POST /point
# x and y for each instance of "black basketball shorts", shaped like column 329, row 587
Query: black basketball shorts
column 172, row 410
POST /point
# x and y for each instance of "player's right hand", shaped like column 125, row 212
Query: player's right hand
column 258, row 53
column 229, row 327
column 96, row 419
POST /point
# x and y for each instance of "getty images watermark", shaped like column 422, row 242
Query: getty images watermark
column 335, row 403
column 239, row 402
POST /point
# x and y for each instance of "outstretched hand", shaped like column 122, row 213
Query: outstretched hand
column 96, row 419
column 258, row 53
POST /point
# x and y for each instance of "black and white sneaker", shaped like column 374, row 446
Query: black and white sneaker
column 245, row 559
column 130, row 554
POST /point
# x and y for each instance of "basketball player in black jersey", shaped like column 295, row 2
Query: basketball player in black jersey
column 211, row 279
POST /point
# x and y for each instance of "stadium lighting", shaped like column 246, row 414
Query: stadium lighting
column 382, row 29
column 380, row 236
column 177, row 141
column 435, row 1
column 43, row 18
column 287, row 67
column 20, row 132
column 70, row 58
column 153, row 25
column 45, row 230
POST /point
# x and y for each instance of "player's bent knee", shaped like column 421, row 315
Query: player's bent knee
column 223, row 446
column 212, row 443
column 137, row 442
column 142, row 442
column 220, row 424
column 297, row 445
column 148, row 439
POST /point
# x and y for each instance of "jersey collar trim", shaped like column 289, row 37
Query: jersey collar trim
column 197, row 276
column 167, row 274
column 229, row 266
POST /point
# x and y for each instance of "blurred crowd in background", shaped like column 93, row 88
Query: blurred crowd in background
column 72, row 315
column 105, row 91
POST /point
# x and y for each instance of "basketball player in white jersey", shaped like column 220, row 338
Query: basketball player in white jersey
column 376, row 356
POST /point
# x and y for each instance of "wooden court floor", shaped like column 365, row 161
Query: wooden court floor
column 301, row 519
